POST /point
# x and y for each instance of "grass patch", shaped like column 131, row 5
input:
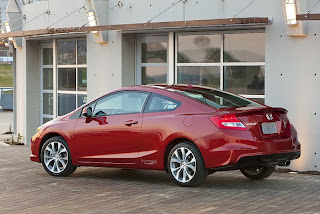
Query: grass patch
column 7, row 92
column 6, row 77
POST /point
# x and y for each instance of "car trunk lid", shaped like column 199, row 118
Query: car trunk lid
column 263, row 122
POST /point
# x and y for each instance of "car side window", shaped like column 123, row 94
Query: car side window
column 121, row 103
column 160, row 103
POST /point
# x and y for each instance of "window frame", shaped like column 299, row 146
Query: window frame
column 139, row 64
column 172, row 64
column 76, row 66
column 114, row 93
column 221, row 64
column 55, row 91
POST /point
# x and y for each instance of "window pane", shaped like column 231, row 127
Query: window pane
column 66, row 103
column 47, row 56
column 67, row 52
column 82, row 52
column 48, row 103
column 82, row 79
column 159, row 103
column 45, row 119
column 48, row 78
column 206, row 76
column 67, row 79
column 199, row 48
column 153, row 75
column 155, row 52
column 244, row 79
column 249, row 47
column 82, row 99
column 121, row 103
column 216, row 98
column 259, row 100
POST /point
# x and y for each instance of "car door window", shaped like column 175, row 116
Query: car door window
column 121, row 103
column 160, row 103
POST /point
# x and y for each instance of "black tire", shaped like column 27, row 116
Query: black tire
column 200, row 173
column 258, row 173
column 62, row 170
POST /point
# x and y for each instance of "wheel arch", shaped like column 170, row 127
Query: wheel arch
column 47, row 137
column 171, row 145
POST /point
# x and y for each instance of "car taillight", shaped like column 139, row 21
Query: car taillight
column 228, row 122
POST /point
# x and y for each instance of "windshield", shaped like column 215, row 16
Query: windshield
column 216, row 98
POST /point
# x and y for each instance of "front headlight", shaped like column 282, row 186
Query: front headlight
column 39, row 128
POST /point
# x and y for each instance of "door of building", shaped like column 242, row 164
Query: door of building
column 152, row 60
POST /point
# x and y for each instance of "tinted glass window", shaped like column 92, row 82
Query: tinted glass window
column 66, row 52
column 120, row 103
column 216, row 98
column 159, row 103
column 199, row 48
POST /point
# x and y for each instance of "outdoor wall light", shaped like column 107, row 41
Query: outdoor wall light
column 8, row 29
column 291, row 12
column 92, row 20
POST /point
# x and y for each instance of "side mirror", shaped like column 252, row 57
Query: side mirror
column 87, row 112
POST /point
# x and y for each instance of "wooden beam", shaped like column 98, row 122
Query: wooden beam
column 304, row 17
column 143, row 26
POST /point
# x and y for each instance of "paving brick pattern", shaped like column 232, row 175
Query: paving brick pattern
column 26, row 188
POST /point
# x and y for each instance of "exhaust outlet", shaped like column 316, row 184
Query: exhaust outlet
column 286, row 163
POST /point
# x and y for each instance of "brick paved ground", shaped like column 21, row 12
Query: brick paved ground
column 26, row 188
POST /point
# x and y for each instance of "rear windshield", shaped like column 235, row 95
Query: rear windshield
column 217, row 99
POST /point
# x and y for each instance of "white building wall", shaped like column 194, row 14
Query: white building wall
column 104, row 65
column 292, row 65
column 20, row 90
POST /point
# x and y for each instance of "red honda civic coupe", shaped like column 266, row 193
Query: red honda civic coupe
column 187, row 131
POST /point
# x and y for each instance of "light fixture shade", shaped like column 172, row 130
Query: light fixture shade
column 291, row 12
column 7, row 27
column 92, row 20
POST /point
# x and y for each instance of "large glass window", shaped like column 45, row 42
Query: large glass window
column 152, row 61
column 248, row 47
column 47, row 92
column 199, row 75
column 154, row 75
column 244, row 79
column 199, row 49
column 67, row 53
column 233, row 62
column 64, row 77
column 72, row 75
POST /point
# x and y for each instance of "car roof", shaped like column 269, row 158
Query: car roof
column 168, row 87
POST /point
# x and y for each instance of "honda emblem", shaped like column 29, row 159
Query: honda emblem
column 269, row 116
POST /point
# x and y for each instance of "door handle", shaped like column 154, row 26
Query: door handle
column 130, row 122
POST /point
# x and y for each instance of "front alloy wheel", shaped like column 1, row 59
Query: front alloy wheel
column 56, row 158
column 186, row 165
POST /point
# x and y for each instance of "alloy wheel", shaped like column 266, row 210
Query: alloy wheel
column 183, row 164
column 55, row 157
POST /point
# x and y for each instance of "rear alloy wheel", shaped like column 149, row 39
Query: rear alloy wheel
column 258, row 173
column 186, row 165
column 56, row 157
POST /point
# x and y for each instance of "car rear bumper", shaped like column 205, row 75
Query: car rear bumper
column 227, row 149
column 260, row 160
